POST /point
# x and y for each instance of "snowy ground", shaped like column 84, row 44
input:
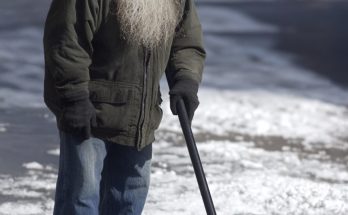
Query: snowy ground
column 263, row 154
column 271, row 134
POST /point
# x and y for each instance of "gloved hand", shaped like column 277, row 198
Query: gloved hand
column 77, row 117
column 186, row 89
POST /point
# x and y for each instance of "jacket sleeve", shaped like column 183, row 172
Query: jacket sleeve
column 69, row 30
column 187, row 53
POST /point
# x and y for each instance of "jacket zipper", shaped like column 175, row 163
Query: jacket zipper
column 142, row 113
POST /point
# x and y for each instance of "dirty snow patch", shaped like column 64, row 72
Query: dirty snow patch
column 20, row 208
column 33, row 165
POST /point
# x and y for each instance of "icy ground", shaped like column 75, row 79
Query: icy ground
column 272, row 137
column 263, row 154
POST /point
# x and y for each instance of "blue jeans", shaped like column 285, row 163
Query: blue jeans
column 99, row 177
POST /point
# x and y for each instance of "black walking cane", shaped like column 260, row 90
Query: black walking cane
column 195, row 159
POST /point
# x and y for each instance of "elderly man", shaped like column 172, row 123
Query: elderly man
column 103, row 63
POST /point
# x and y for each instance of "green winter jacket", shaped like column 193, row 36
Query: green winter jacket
column 84, row 52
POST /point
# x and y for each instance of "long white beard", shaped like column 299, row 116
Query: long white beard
column 148, row 22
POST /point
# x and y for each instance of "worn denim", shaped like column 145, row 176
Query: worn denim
column 99, row 177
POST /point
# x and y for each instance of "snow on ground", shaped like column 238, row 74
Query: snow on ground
column 318, row 123
column 299, row 176
column 246, row 180
column 30, row 194
column 243, row 178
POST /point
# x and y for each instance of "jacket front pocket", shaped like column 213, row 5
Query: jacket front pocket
column 116, row 106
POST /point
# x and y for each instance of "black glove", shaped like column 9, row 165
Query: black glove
column 186, row 89
column 77, row 117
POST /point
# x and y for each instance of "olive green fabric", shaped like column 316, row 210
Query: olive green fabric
column 86, row 55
